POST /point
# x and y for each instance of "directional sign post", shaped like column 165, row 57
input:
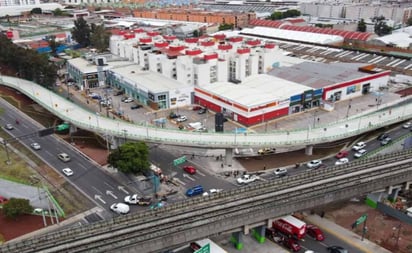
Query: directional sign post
column 179, row 160
column 359, row 221
column 204, row 249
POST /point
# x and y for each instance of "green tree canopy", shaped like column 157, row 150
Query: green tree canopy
column 381, row 28
column 36, row 11
column 99, row 37
column 287, row 14
column 361, row 26
column 131, row 157
column 409, row 21
column 27, row 63
column 16, row 207
column 81, row 32
column 226, row 27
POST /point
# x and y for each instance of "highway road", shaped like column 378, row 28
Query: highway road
column 93, row 182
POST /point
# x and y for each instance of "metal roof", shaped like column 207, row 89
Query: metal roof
column 256, row 90
column 318, row 75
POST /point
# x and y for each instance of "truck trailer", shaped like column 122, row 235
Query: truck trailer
column 290, row 226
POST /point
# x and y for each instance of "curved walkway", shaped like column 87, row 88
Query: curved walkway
column 80, row 117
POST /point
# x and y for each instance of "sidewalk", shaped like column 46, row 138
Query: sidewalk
column 345, row 235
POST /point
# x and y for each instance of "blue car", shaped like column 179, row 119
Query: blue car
column 196, row 190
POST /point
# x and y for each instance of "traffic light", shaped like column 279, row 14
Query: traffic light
column 62, row 127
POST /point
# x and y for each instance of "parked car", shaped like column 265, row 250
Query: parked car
column 266, row 151
column 281, row 172
column 3, row 200
column 386, row 141
column 128, row 100
column 181, row 118
column 342, row 161
column 359, row 146
column 382, row 136
column 246, row 179
column 336, row 249
column 360, row 153
column 35, row 146
column 135, row 106
column 173, row 115
column 9, row 126
column 315, row 232
column 118, row 93
column 196, row 190
column 342, row 154
column 314, row 164
column 202, row 111
column 64, row 157
column 68, row 172
column 120, row 208
column 189, row 169
column 407, row 125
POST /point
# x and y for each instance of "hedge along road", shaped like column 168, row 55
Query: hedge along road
column 368, row 120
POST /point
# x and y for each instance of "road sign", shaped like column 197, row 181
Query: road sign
column 179, row 160
column 204, row 249
column 360, row 220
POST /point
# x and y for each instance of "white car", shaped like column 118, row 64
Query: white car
column 35, row 146
column 181, row 118
column 68, row 172
column 9, row 127
column 132, row 199
column 212, row 192
column 342, row 161
column 314, row 164
column 120, row 208
column 280, row 172
column 407, row 125
column 128, row 100
column 360, row 153
column 64, row 157
column 245, row 179
column 359, row 146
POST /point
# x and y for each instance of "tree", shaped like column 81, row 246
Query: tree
column 81, row 32
column 196, row 33
column 99, row 38
column 361, row 26
column 16, row 207
column 276, row 15
column 409, row 21
column 36, row 11
column 381, row 28
column 53, row 44
column 58, row 12
column 226, row 27
column 131, row 157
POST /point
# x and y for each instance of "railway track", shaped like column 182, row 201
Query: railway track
column 142, row 228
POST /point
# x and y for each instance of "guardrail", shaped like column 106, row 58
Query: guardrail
column 66, row 110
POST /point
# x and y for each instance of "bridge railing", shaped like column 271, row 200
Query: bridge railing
column 386, row 114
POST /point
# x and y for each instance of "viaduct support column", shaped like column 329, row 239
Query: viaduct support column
column 229, row 157
column 408, row 185
column 237, row 240
column 309, row 150
column 393, row 194
column 259, row 233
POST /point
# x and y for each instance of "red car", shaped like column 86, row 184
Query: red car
column 342, row 154
column 3, row 200
column 190, row 169
column 291, row 244
column 315, row 232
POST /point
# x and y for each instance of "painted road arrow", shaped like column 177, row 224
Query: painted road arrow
column 187, row 176
column 99, row 198
column 121, row 188
column 111, row 194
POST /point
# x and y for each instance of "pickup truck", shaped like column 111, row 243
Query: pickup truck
column 266, row 151
column 136, row 200
column 246, row 179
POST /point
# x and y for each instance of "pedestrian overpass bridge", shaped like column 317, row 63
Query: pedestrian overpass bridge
column 80, row 117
